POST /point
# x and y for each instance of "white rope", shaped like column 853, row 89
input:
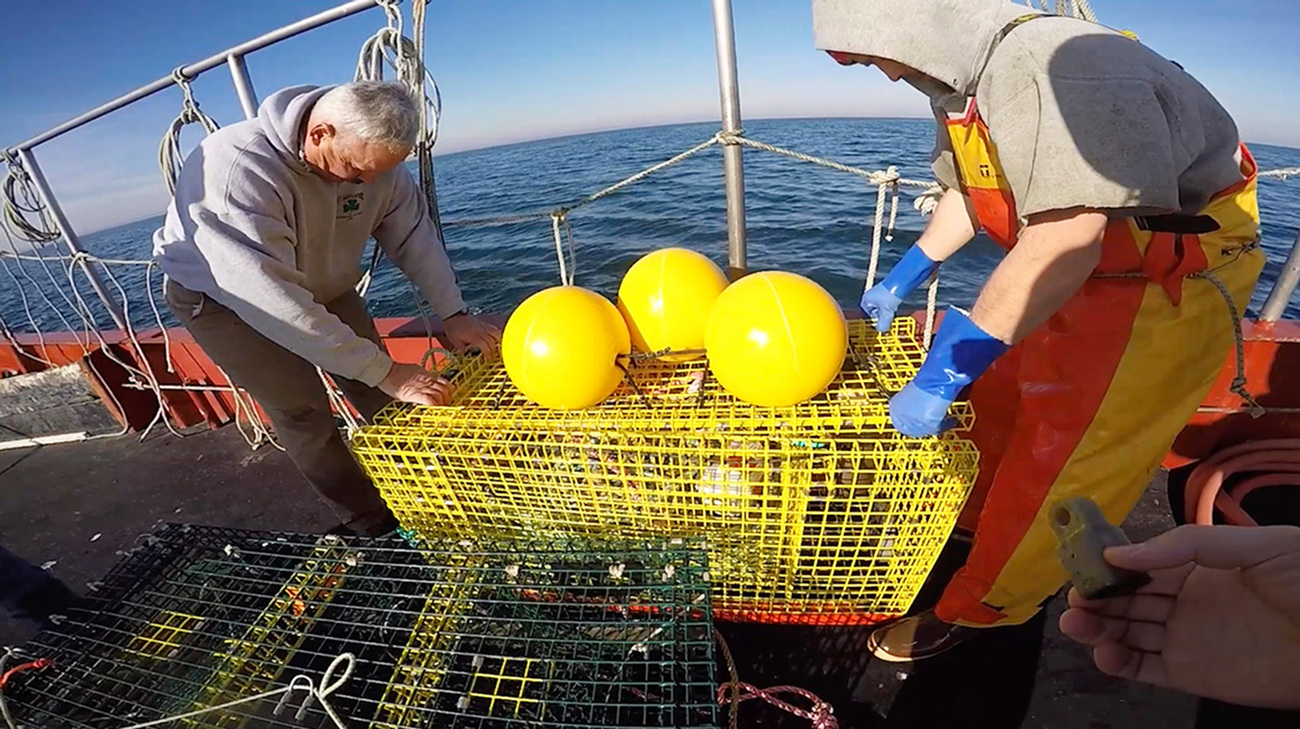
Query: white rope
column 83, row 344
column 559, row 216
column 1282, row 174
column 573, row 259
column 170, row 156
column 560, row 228
column 927, row 202
column 242, row 401
column 45, row 266
column 245, row 405
column 559, row 247
column 877, row 177
column 22, row 201
column 430, row 118
column 893, row 213
column 886, row 181
column 340, row 404
column 1081, row 9
column 882, row 177
column 874, row 261
column 386, row 40
column 39, row 290
column 363, row 286
column 301, row 683
column 147, row 372
column 931, row 305
column 406, row 57
column 157, row 317
column 27, row 308
column 170, row 160
column 260, row 434
column 675, row 159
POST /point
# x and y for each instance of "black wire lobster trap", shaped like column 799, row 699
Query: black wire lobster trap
column 222, row 628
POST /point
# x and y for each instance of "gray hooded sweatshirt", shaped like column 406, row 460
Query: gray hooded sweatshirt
column 1081, row 115
column 252, row 227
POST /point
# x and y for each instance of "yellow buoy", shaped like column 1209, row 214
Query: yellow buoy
column 776, row 339
column 665, row 299
column 561, row 348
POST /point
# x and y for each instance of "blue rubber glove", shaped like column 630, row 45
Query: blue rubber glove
column 960, row 354
column 882, row 300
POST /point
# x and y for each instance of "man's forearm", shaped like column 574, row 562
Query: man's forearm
column 952, row 226
column 1054, row 256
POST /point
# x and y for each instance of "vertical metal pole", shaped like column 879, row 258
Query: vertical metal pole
column 70, row 235
column 1280, row 296
column 733, row 161
column 243, row 85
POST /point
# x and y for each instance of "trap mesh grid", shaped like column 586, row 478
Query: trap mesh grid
column 456, row 636
column 818, row 513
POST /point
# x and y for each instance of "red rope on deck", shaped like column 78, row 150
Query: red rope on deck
column 35, row 665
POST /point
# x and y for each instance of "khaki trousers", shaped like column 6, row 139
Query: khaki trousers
column 289, row 390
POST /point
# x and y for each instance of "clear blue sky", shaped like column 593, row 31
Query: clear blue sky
column 512, row 70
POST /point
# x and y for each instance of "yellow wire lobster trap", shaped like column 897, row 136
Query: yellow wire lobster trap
column 818, row 513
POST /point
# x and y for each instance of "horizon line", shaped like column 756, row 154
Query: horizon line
column 611, row 130
column 568, row 135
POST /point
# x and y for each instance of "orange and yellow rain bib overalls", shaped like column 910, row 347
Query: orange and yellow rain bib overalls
column 1091, row 401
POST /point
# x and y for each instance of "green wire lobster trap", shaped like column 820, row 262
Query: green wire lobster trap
column 441, row 636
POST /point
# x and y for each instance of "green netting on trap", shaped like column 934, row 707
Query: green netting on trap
column 465, row 634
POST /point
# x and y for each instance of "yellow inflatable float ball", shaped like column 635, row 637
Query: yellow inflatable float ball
column 561, row 348
column 776, row 339
column 665, row 299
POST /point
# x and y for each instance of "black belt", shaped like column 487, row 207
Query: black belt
column 1177, row 223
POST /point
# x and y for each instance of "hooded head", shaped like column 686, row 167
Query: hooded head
column 947, row 40
column 354, row 132
column 282, row 115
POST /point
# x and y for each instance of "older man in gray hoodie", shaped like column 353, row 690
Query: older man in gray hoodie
column 261, row 248
column 1126, row 203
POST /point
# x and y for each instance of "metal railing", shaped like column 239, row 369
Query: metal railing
column 194, row 70
column 1284, row 287
column 732, row 154
column 233, row 59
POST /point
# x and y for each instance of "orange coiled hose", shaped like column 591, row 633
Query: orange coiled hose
column 1275, row 463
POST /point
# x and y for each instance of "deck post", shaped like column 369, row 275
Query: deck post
column 70, row 235
column 1280, row 296
column 243, row 85
column 733, row 160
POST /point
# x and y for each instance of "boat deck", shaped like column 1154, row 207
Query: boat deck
column 79, row 504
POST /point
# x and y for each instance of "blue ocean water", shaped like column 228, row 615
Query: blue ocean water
column 801, row 218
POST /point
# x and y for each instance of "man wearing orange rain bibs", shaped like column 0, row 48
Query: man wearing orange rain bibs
column 1126, row 203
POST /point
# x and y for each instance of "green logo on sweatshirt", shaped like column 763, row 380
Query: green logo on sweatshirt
column 350, row 205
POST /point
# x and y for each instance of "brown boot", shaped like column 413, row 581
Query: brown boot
column 917, row 638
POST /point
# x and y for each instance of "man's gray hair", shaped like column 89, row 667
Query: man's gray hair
column 379, row 112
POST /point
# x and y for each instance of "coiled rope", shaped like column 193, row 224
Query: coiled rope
column 170, row 156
